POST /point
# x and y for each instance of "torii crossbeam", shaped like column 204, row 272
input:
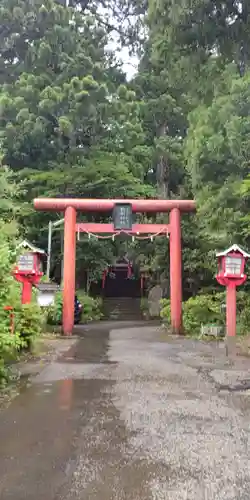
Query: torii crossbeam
column 103, row 228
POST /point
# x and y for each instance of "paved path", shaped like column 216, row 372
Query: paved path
column 127, row 414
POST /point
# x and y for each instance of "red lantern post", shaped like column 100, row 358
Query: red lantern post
column 231, row 265
column 28, row 271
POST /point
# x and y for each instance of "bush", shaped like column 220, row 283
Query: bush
column 202, row 309
column 165, row 312
column 91, row 309
column 198, row 310
column 26, row 319
column 54, row 312
column 208, row 308
column 29, row 324
column 243, row 313
column 10, row 344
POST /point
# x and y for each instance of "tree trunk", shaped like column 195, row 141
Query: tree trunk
column 88, row 282
column 162, row 169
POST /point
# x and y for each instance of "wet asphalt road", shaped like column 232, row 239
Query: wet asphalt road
column 129, row 414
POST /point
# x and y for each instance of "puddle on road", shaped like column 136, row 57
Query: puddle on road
column 45, row 431
column 68, row 434
column 63, row 430
column 92, row 348
column 69, row 438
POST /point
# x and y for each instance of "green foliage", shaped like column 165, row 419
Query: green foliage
column 28, row 318
column 29, row 324
column 71, row 124
column 219, row 135
column 202, row 309
column 243, row 312
column 217, row 159
column 165, row 312
column 9, row 294
column 198, row 310
column 209, row 309
column 91, row 309
column 10, row 344
column 221, row 27
column 54, row 313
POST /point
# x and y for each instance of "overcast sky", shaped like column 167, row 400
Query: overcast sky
column 129, row 63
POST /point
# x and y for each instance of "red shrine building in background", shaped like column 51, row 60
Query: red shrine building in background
column 123, row 222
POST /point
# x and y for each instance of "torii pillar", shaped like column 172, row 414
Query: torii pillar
column 70, row 206
column 69, row 270
column 175, row 270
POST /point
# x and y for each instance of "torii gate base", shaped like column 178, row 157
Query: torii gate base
column 71, row 206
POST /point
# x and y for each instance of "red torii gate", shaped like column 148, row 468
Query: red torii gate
column 70, row 206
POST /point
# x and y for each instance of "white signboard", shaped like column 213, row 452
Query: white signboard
column 46, row 299
column 26, row 262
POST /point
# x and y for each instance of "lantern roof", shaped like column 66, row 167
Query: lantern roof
column 28, row 246
column 121, row 261
column 233, row 248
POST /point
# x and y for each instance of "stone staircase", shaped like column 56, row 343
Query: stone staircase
column 122, row 308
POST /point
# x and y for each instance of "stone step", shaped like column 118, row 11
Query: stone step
column 124, row 308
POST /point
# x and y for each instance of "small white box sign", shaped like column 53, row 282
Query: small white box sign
column 46, row 299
